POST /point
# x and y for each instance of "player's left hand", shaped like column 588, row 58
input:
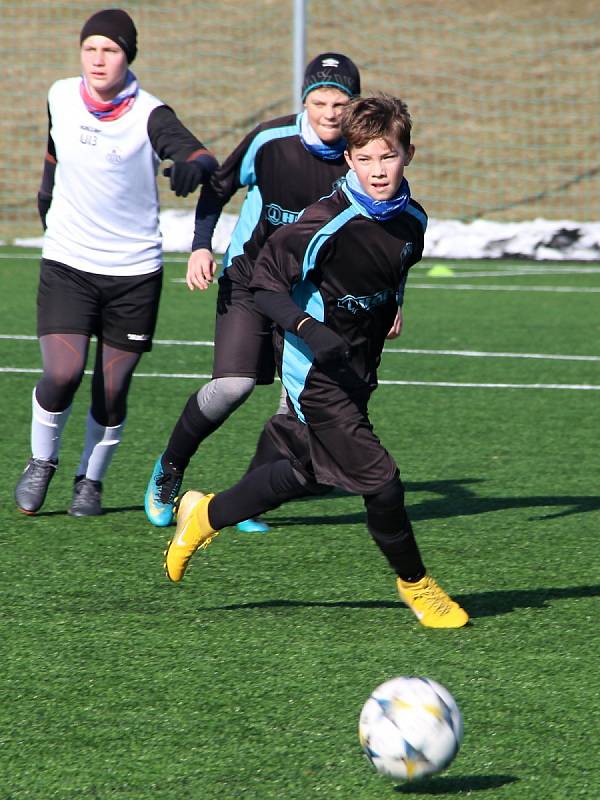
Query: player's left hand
column 396, row 328
column 185, row 176
column 201, row 269
column 328, row 347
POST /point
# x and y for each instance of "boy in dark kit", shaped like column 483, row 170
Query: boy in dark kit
column 329, row 282
column 285, row 164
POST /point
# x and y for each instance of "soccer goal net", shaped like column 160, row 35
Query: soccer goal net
column 505, row 97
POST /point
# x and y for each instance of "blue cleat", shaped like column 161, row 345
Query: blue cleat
column 253, row 526
column 163, row 488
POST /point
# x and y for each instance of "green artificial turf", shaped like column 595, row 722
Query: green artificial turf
column 247, row 679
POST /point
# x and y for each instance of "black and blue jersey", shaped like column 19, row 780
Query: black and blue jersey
column 282, row 177
column 343, row 268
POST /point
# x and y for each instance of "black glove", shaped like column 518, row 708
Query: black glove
column 185, row 176
column 327, row 346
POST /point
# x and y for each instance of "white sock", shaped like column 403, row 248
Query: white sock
column 99, row 448
column 46, row 430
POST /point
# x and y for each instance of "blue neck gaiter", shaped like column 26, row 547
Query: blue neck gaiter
column 310, row 140
column 378, row 209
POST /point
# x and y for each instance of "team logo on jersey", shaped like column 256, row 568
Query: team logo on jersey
column 114, row 156
column 357, row 304
column 277, row 215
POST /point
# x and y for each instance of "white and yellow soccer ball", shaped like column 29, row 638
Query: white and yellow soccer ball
column 410, row 727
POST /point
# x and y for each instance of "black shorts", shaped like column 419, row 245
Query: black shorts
column 243, row 336
column 119, row 310
column 346, row 454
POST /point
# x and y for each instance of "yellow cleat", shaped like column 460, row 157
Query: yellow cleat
column 193, row 532
column 431, row 605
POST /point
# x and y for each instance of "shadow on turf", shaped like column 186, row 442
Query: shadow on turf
column 115, row 510
column 482, row 604
column 468, row 783
column 457, row 500
column 492, row 604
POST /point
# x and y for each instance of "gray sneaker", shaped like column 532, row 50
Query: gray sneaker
column 87, row 496
column 30, row 491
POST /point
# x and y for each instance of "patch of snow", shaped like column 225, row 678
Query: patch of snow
column 539, row 239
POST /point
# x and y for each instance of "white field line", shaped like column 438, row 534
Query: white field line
column 406, row 350
column 455, row 384
column 185, row 342
column 577, row 387
column 30, row 256
column 35, row 256
column 483, row 288
column 496, row 288
column 507, row 270
column 487, row 354
column 515, row 273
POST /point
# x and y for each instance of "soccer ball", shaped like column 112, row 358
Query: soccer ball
column 410, row 727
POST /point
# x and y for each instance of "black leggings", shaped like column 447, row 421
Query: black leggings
column 390, row 527
column 262, row 489
column 276, row 482
column 64, row 356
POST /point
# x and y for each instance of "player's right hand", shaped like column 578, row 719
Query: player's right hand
column 184, row 176
column 327, row 346
column 201, row 269
column 396, row 328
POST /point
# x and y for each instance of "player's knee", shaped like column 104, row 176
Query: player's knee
column 232, row 392
column 288, row 482
column 285, row 482
column 385, row 509
column 57, row 388
column 390, row 496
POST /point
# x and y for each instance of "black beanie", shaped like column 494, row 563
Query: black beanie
column 333, row 70
column 115, row 24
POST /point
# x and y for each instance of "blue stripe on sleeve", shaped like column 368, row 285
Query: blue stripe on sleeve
column 253, row 204
column 417, row 214
column 247, row 173
column 297, row 357
column 246, row 223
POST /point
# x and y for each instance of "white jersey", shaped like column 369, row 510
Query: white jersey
column 104, row 216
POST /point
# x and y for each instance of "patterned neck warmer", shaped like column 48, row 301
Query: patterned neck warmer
column 115, row 108
column 310, row 140
column 378, row 209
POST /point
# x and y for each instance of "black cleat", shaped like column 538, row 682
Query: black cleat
column 30, row 491
column 87, row 496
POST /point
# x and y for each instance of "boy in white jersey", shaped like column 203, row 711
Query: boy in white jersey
column 101, row 269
